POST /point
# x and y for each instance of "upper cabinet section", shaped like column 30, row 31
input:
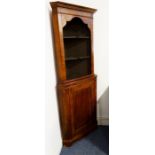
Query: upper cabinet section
column 77, row 45
column 73, row 38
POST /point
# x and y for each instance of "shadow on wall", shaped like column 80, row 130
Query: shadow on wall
column 103, row 108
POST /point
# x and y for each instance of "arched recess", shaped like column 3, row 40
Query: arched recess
column 69, row 18
column 77, row 45
column 76, row 26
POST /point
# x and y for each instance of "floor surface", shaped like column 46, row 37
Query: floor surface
column 96, row 143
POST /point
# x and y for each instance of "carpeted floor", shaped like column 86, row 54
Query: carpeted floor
column 96, row 143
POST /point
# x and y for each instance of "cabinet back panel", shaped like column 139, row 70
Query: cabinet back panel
column 77, row 47
column 78, row 68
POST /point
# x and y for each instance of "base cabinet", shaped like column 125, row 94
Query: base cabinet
column 77, row 106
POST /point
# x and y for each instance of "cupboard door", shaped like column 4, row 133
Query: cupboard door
column 83, row 100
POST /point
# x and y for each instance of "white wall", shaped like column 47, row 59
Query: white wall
column 53, row 137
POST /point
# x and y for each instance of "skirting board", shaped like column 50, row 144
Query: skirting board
column 103, row 120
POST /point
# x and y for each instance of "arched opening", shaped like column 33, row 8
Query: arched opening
column 77, row 44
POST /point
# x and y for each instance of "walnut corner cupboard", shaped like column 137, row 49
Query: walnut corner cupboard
column 76, row 81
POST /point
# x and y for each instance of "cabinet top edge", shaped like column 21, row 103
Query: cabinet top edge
column 71, row 6
column 77, row 80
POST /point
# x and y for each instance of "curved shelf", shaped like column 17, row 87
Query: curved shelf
column 77, row 58
column 76, row 37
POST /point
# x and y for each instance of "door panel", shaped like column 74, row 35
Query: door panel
column 77, row 104
column 83, row 101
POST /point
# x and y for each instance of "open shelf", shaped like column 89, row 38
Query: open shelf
column 76, row 37
column 77, row 58
column 77, row 45
column 78, row 68
column 77, row 48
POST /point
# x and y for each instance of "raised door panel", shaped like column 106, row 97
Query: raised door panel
column 83, row 101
